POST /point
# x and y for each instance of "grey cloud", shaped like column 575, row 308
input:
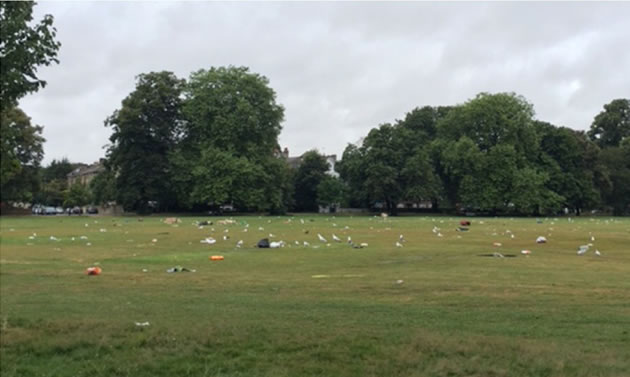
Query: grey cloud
column 338, row 68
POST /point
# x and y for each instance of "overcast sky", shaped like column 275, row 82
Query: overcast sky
column 339, row 69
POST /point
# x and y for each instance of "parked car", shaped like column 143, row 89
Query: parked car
column 91, row 210
column 77, row 211
column 49, row 211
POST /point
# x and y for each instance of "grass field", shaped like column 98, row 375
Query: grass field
column 314, row 310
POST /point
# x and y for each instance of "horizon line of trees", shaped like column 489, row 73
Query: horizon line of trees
column 212, row 140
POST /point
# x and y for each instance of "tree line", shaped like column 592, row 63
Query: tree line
column 212, row 140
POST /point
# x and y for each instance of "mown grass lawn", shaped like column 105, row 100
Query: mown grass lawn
column 314, row 310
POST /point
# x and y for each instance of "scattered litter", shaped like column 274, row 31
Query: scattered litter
column 142, row 324
column 275, row 245
column 53, row 238
column 497, row 255
column 154, row 240
column 88, row 244
column 363, row 244
column 93, row 271
column 320, row 276
column 583, row 249
column 464, row 223
column 541, row 239
column 216, row 257
column 263, row 244
column 497, row 244
column 205, row 222
column 398, row 244
column 145, row 270
column 209, row 241
column 83, row 237
column 172, row 220
column 598, row 253
column 239, row 243
column 226, row 222
column 102, row 230
column 179, row 269
column 526, row 252
column 399, row 281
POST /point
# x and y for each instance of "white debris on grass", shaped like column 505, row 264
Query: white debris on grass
column 209, row 241
column 321, row 238
column 335, row 238
column 398, row 244
column 541, row 239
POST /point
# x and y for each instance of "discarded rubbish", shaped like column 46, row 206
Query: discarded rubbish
column 497, row 244
column 526, row 252
column 179, row 269
column 263, row 244
column 275, row 245
column 399, row 281
column 209, row 241
column 172, row 220
column 216, row 257
column 464, row 223
column 541, row 239
column 142, row 324
column 93, row 270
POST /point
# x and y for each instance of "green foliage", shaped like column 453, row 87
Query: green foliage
column 612, row 125
column 52, row 193
column 309, row 175
column 21, row 152
column 103, row 187
column 233, row 110
column 57, row 170
column 23, row 48
column 77, row 195
column 145, row 131
column 352, row 173
column 331, row 191
column 616, row 166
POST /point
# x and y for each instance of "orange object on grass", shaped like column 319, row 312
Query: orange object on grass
column 93, row 271
column 216, row 257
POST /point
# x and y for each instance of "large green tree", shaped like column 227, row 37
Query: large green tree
column 23, row 48
column 21, row 152
column 234, row 110
column 145, row 130
column 309, row 175
column 612, row 125
column 572, row 163
column 232, row 127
